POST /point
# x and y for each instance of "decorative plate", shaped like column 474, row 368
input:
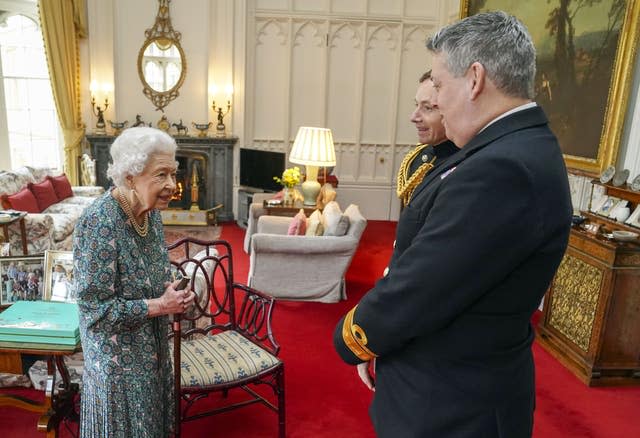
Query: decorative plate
column 635, row 184
column 608, row 173
column 624, row 236
column 620, row 178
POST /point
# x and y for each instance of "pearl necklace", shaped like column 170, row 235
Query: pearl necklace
column 143, row 229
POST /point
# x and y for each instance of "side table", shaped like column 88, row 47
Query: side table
column 288, row 210
column 59, row 404
column 23, row 231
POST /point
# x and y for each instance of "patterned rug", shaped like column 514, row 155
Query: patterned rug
column 173, row 233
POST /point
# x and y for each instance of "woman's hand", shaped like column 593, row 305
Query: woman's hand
column 171, row 301
column 366, row 373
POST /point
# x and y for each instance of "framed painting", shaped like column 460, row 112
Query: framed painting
column 58, row 276
column 585, row 58
column 22, row 279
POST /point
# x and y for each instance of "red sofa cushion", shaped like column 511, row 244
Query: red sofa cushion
column 45, row 194
column 24, row 200
column 62, row 186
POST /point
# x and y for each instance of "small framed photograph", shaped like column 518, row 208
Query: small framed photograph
column 620, row 204
column 22, row 279
column 634, row 219
column 58, row 276
column 608, row 205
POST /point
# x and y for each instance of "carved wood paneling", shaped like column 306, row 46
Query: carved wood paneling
column 576, row 287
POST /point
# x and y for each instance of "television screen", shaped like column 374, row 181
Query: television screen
column 257, row 169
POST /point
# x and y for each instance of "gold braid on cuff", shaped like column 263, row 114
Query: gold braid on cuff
column 355, row 339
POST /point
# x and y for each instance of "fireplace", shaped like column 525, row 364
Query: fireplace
column 191, row 182
column 213, row 161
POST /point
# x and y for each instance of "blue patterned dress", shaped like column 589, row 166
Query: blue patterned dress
column 127, row 382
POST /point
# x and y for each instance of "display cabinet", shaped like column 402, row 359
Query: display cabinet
column 591, row 312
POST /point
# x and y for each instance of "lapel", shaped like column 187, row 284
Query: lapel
column 513, row 122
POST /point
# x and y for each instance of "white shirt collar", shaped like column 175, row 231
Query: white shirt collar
column 511, row 111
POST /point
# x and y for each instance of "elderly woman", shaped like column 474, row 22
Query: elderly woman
column 125, row 294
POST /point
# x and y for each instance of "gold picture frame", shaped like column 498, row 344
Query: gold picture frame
column 585, row 98
column 58, row 276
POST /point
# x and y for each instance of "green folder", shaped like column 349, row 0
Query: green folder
column 47, row 322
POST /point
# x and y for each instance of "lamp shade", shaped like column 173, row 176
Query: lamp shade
column 313, row 147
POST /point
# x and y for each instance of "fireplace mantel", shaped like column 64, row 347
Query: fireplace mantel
column 217, row 150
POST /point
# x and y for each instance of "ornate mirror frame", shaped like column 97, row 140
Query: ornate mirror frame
column 162, row 31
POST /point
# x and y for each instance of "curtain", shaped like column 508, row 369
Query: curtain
column 63, row 22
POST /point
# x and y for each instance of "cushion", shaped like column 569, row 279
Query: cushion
column 44, row 193
column 24, row 200
column 315, row 227
column 331, row 215
column 298, row 225
column 222, row 358
column 340, row 228
column 62, row 186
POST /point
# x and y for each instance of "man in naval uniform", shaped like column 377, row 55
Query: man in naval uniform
column 477, row 245
column 433, row 147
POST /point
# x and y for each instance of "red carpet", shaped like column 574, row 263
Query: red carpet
column 325, row 399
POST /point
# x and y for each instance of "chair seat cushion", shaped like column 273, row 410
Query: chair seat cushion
column 222, row 358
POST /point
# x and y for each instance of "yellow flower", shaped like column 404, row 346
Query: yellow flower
column 290, row 177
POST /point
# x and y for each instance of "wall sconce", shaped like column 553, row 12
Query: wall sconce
column 220, row 113
column 98, row 111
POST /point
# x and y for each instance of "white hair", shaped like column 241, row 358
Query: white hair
column 131, row 150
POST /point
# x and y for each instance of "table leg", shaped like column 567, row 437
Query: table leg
column 23, row 236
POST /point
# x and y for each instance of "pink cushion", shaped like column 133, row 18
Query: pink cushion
column 298, row 224
column 24, row 200
column 45, row 194
column 62, row 186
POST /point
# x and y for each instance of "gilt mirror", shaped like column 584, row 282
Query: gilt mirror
column 162, row 65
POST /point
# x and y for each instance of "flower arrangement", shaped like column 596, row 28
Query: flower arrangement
column 290, row 177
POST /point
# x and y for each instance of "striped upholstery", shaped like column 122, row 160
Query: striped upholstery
column 221, row 358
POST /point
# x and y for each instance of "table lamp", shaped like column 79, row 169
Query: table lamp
column 312, row 147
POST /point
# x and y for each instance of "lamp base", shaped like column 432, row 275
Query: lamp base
column 310, row 191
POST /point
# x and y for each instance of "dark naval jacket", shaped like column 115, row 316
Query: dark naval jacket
column 449, row 325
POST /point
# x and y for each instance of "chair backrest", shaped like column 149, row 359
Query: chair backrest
column 222, row 303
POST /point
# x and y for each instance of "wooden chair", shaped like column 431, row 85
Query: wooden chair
column 225, row 341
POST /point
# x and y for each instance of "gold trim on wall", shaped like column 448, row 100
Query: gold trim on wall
column 618, row 87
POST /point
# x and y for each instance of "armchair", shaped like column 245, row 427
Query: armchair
column 256, row 210
column 302, row 268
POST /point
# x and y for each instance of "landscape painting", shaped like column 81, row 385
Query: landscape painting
column 585, row 52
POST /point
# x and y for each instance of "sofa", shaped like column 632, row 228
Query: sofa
column 50, row 221
column 306, row 265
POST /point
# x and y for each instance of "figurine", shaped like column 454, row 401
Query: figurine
column 182, row 130
column 139, row 121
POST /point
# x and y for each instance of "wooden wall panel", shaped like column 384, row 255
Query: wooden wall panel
column 345, row 80
column 271, row 79
column 379, row 82
column 308, row 75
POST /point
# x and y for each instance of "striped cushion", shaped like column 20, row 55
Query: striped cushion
column 221, row 358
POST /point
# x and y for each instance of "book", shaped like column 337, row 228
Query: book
column 49, row 321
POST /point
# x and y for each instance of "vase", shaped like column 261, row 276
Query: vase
column 289, row 195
